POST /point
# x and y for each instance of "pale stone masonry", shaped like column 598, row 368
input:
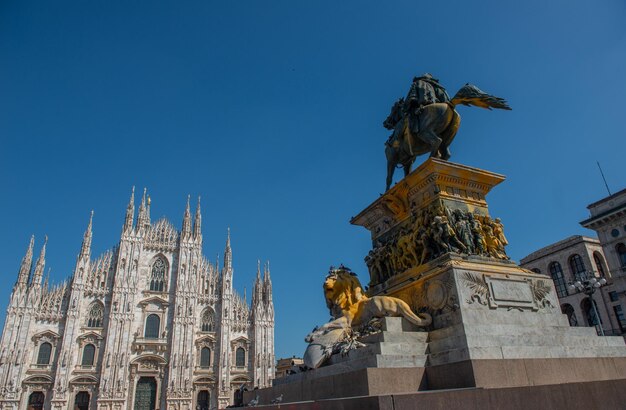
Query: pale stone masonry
column 608, row 219
column 563, row 261
column 149, row 324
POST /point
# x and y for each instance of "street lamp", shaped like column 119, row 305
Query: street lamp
column 587, row 283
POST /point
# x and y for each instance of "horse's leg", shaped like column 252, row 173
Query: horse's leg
column 433, row 141
column 407, row 169
column 444, row 152
column 391, row 166
column 452, row 126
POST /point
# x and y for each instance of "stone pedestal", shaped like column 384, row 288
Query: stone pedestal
column 497, row 328
column 494, row 323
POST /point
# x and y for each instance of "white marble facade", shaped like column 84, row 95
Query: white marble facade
column 149, row 324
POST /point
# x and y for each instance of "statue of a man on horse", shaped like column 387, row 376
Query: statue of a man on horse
column 426, row 121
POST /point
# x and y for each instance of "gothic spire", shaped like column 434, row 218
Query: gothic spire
column 228, row 254
column 85, row 249
column 197, row 223
column 143, row 219
column 266, row 272
column 148, row 202
column 267, row 283
column 46, row 282
column 187, row 221
column 41, row 264
column 256, row 294
column 130, row 212
column 27, row 263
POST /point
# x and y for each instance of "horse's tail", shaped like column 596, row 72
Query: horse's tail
column 471, row 95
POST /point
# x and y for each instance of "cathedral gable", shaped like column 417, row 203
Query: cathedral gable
column 46, row 336
column 154, row 302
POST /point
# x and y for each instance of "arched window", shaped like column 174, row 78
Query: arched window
column 621, row 254
column 45, row 351
column 559, row 281
column 240, row 357
column 577, row 266
column 35, row 400
column 599, row 260
column 153, row 325
column 157, row 275
column 591, row 314
column 204, row 398
column 571, row 315
column 205, row 357
column 89, row 351
column 82, row 401
column 95, row 315
column 207, row 321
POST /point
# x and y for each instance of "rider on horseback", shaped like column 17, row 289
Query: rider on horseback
column 427, row 121
column 424, row 90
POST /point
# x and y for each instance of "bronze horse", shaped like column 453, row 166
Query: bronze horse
column 438, row 123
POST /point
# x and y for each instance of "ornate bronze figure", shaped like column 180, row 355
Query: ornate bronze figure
column 426, row 121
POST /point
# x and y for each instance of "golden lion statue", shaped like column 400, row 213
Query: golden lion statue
column 345, row 299
column 351, row 310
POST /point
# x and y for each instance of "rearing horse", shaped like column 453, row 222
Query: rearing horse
column 438, row 123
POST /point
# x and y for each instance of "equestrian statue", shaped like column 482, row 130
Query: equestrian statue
column 426, row 121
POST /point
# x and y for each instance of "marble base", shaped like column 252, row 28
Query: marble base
column 607, row 395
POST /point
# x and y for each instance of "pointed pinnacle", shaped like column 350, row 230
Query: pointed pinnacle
column 29, row 251
column 27, row 261
column 131, row 202
column 267, row 272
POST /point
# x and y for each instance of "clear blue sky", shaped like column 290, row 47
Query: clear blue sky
column 272, row 112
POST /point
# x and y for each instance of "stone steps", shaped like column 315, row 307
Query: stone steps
column 386, row 348
column 489, row 330
column 523, row 352
column 360, row 361
column 397, row 337
column 474, row 317
column 547, row 340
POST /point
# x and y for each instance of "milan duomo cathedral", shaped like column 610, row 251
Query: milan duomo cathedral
column 150, row 324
